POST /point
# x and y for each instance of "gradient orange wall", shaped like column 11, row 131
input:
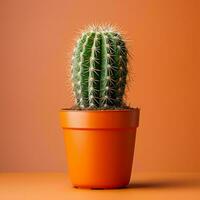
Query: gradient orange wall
column 35, row 37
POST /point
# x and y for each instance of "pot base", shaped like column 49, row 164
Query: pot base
column 91, row 187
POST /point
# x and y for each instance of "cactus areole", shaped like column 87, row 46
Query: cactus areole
column 99, row 69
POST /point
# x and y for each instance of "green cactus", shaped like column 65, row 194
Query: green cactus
column 99, row 68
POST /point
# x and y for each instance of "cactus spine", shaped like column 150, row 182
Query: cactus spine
column 99, row 68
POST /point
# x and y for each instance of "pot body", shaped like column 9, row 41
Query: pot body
column 100, row 146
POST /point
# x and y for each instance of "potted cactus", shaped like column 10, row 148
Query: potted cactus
column 99, row 131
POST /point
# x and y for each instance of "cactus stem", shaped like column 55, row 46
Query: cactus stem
column 99, row 68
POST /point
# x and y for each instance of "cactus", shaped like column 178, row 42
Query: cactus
column 99, row 68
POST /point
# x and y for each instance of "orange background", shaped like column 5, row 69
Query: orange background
column 35, row 37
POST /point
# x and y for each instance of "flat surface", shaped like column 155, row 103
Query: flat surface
column 26, row 186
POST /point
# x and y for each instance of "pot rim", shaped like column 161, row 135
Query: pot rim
column 100, row 119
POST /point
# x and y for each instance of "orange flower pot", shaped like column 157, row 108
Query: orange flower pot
column 100, row 146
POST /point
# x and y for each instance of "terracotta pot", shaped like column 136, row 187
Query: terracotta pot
column 100, row 146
